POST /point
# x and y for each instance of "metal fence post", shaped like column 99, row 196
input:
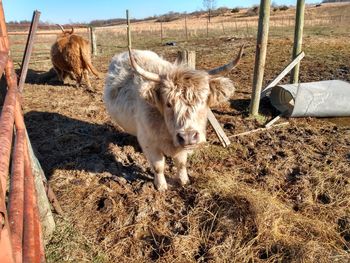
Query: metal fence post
column 298, row 38
column 260, row 56
column 28, row 49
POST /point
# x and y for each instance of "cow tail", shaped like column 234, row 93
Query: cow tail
column 87, row 62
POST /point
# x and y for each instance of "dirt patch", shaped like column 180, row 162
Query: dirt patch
column 276, row 196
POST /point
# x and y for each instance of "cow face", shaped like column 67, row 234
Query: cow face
column 183, row 97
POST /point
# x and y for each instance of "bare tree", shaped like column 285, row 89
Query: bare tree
column 209, row 5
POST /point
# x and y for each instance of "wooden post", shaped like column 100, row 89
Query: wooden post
column 207, row 28
column 161, row 32
column 189, row 58
column 260, row 56
column 93, row 41
column 186, row 32
column 298, row 38
column 47, row 221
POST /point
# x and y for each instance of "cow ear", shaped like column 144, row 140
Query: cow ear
column 221, row 89
column 150, row 92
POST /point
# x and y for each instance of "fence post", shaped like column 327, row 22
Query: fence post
column 186, row 32
column 207, row 28
column 246, row 28
column 93, row 41
column 28, row 49
column 260, row 56
column 298, row 38
column 161, row 32
column 187, row 57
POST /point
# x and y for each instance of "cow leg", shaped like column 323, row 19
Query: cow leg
column 64, row 76
column 60, row 74
column 157, row 161
column 180, row 160
column 71, row 75
column 78, row 78
column 86, row 78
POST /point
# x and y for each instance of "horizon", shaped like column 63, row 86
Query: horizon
column 19, row 10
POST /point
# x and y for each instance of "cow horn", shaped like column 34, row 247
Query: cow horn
column 229, row 66
column 71, row 32
column 60, row 27
column 146, row 74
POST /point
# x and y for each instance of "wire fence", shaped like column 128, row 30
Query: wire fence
column 112, row 39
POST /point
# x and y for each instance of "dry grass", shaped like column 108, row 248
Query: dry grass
column 276, row 196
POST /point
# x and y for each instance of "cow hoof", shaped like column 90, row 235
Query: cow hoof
column 184, row 182
column 162, row 187
column 183, row 179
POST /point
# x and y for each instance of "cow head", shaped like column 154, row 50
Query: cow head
column 65, row 33
column 183, row 97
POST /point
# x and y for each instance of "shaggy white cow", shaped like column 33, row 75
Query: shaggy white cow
column 165, row 105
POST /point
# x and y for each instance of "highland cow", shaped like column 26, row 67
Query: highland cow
column 70, row 56
column 164, row 105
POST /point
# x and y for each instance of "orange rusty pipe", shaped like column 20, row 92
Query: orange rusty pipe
column 31, row 212
column 38, row 247
column 32, row 242
column 6, row 124
column 30, row 248
column 3, row 61
column 16, row 195
column 6, row 255
column 4, row 43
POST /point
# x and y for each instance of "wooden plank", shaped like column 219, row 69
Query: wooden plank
column 282, row 74
column 274, row 120
column 46, row 216
column 259, row 130
column 225, row 141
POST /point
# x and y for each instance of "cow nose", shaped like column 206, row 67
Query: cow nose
column 187, row 137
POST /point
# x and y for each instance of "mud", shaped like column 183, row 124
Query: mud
column 276, row 196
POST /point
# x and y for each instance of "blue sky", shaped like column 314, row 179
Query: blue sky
column 64, row 11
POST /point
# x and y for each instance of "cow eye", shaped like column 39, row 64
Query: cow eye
column 168, row 105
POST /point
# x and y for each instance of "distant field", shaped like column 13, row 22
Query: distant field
column 327, row 19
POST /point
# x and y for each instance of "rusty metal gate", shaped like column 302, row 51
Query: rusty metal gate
column 20, row 225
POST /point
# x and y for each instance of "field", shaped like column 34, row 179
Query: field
column 281, row 195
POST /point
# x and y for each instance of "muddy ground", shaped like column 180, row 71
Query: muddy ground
column 277, row 196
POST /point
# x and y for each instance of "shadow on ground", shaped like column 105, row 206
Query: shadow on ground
column 242, row 106
column 70, row 144
column 43, row 77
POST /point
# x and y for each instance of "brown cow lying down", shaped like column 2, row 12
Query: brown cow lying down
column 70, row 56
column 165, row 105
